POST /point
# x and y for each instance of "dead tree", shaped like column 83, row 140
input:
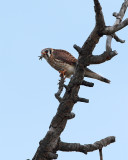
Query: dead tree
column 52, row 143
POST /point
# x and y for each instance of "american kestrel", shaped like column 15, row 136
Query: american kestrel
column 65, row 63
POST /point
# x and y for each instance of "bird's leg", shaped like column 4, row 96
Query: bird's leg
column 62, row 74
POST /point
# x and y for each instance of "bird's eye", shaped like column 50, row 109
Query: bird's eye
column 46, row 51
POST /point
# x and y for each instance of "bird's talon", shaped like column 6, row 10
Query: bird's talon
column 62, row 74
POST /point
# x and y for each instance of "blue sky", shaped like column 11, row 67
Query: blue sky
column 27, row 85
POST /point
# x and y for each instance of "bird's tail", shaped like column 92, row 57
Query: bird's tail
column 91, row 74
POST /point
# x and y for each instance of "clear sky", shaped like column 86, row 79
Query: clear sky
column 27, row 85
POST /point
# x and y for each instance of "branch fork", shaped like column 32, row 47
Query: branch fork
column 51, row 142
column 98, row 145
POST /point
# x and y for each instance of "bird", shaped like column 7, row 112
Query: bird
column 65, row 63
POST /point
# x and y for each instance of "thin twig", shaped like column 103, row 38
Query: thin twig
column 100, row 153
column 119, row 16
column 118, row 39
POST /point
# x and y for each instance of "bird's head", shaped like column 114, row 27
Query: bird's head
column 46, row 53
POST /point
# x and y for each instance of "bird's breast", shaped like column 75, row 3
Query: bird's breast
column 60, row 66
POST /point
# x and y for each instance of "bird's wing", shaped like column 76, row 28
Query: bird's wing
column 64, row 56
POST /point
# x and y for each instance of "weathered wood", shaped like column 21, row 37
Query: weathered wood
column 118, row 39
column 97, row 59
column 69, row 147
column 50, row 144
column 117, row 26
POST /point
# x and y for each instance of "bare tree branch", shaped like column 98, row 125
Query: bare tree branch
column 119, row 16
column 112, row 29
column 82, row 100
column 118, row 39
column 77, row 48
column 88, row 84
column 101, row 155
column 97, row 59
column 96, row 34
column 48, row 146
column 68, row 147
column 99, row 15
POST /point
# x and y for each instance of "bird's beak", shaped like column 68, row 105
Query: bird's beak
column 42, row 55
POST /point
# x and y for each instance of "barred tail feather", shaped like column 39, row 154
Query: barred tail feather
column 91, row 74
column 105, row 80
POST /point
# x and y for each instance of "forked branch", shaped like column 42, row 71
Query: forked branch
column 51, row 143
column 117, row 26
column 112, row 29
column 97, row 59
column 69, row 147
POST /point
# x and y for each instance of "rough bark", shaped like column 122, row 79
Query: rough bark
column 69, row 147
column 51, row 143
column 119, row 16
